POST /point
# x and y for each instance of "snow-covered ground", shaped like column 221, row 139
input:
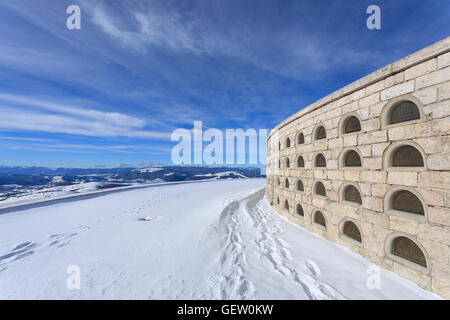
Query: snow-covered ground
column 58, row 192
column 207, row 240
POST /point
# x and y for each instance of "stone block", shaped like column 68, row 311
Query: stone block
column 439, row 215
column 363, row 113
column 434, row 232
column 433, row 197
column 376, row 87
column 401, row 132
column 435, row 250
column 404, row 178
column 350, row 141
column 427, row 95
column 433, row 78
column 352, row 175
column 444, row 91
column 397, row 90
column 369, row 100
column 371, row 125
column 379, row 148
column 372, row 137
column 421, row 279
column 444, row 60
column 350, row 107
column 374, row 176
column 379, row 190
column 366, row 151
column 421, row 69
column 394, row 80
column 335, row 143
column 434, row 179
column 431, row 144
column 371, row 203
column 438, row 161
column 373, row 163
column 376, row 218
column 441, row 286
column 403, row 224
column 437, row 127
column 437, row 111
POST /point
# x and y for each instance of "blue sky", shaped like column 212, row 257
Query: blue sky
column 112, row 92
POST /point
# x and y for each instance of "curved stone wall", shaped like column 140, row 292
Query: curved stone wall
column 368, row 167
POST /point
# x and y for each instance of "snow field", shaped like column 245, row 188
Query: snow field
column 208, row 240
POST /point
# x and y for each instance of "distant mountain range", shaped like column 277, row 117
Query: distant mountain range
column 42, row 176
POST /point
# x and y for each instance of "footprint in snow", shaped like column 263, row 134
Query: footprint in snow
column 148, row 219
column 20, row 251
column 313, row 267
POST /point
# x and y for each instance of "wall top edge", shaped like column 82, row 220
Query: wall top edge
column 409, row 61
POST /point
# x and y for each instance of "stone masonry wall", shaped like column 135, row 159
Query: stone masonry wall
column 422, row 78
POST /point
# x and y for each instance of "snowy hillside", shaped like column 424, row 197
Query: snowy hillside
column 207, row 240
column 25, row 184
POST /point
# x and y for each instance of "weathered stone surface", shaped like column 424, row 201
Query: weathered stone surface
column 434, row 197
column 403, row 225
column 374, row 176
column 432, row 128
column 372, row 137
column 371, row 124
column 335, row 175
column 366, row 151
column 379, row 148
column 422, row 280
column 375, row 110
column 431, row 79
column 358, row 94
column 424, row 76
column 350, row 107
column 438, row 161
column 434, row 232
column 437, row 111
column 397, row 90
column 369, row 100
column 404, row 178
column 427, row 95
column 444, row 91
column 335, row 143
column 441, row 286
column 352, row 175
column 395, row 79
column 434, row 179
column 401, row 133
column 350, row 141
column 363, row 113
column 421, row 69
column 444, row 60
column 373, row 163
column 439, row 215
column 378, row 86
column 436, row 251
column 432, row 144
column 375, row 218
column 374, row 204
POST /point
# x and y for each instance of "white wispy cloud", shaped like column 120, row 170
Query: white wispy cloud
column 31, row 114
column 113, row 118
column 293, row 51
column 55, row 146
